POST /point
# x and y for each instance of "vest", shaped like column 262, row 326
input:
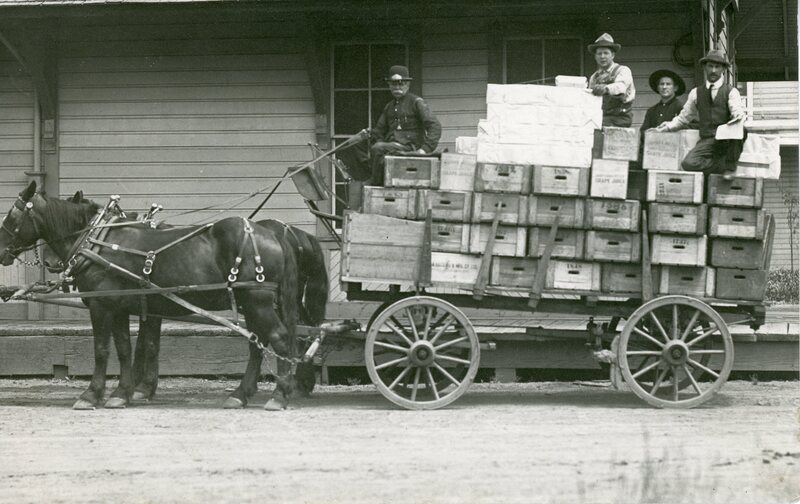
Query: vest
column 713, row 114
column 613, row 105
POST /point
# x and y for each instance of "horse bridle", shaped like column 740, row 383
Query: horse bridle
column 26, row 209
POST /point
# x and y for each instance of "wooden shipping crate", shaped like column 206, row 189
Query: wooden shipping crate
column 411, row 171
column 561, row 181
column 573, row 275
column 457, row 172
column 741, row 284
column 675, row 187
column 620, row 215
column 678, row 250
column 737, row 222
column 391, row 202
column 677, row 218
column 609, row 179
column 637, row 185
column 508, row 240
column 617, row 143
column 513, row 271
column 568, row 242
column 513, row 208
column 503, row 178
column 450, row 237
column 621, row 278
column 740, row 192
column 446, row 206
column 542, row 211
column 616, row 246
column 454, row 270
column 737, row 253
column 370, row 243
column 667, row 150
column 691, row 281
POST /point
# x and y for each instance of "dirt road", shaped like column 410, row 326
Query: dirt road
column 538, row 442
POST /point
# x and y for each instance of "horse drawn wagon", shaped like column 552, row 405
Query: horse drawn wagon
column 528, row 239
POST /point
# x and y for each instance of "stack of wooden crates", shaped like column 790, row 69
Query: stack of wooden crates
column 507, row 210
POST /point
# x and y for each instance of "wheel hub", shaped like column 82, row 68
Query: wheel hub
column 676, row 353
column 422, row 353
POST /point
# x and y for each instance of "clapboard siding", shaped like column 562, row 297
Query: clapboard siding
column 774, row 202
column 185, row 115
column 16, row 151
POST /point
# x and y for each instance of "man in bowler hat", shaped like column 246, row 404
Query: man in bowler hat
column 612, row 81
column 713, row 104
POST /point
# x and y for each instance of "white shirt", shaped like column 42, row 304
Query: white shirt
column 689, row 111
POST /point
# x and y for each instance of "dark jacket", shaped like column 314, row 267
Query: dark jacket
column 661, row 112
column 408, row 121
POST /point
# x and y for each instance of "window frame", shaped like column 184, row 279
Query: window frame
column 580, row 54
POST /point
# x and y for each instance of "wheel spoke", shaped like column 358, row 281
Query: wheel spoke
column 413, row 325
column 433, row 383
column 690, row 325
column 644, row 334
column 400, row 333
column 706, row 352
column 391, row 363
column 674, row 384
column 695, row 385
column 416, row 384
column 675, row 321
column 428, row 315
column 646, row 369
column 697, row 365
column 659, row 379
column 442, row 329
column 446, row 374
column 453, row 359
column 399, row 378
column 450, row 343
column 703, row 336
column 396, row 348
column 643, row 352
column 660, row 327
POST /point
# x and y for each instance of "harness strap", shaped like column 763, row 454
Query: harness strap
column 155, row 290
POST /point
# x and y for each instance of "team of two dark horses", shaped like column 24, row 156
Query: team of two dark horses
column 280, row 279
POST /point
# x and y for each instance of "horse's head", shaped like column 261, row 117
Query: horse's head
column 22, row 225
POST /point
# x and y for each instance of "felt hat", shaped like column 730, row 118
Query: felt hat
column 604, row 40
column 398, row 73
column 715, row 56
column 680, row 86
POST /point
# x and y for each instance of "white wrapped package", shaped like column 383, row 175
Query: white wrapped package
column 529, row 94
column 549, row 115
column 467, row 145
column 540, row 133
column 760, row 157
column 551, row 154
column 577, row 81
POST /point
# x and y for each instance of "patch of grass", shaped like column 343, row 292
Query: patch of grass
column 783, row 286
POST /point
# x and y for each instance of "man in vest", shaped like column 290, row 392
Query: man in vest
column 612, row 81
column 405, row 125
column 713, row 104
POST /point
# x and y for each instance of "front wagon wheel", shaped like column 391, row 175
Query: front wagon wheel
column 422, row 353
column 673, row 341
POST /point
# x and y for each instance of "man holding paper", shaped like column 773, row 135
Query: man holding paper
column 718, row 108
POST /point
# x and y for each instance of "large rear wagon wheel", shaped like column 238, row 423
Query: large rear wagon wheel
column 417, row 351
column 673, row 341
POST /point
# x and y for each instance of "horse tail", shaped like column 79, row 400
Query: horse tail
column 317, row 283
column 287, row 289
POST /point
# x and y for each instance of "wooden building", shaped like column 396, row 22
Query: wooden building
column 198, row 104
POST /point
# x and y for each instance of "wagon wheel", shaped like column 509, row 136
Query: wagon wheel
column 672, row 340
column 415, row 350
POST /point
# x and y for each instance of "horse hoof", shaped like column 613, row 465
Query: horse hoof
column 140, row 396
column 274, row 405
column 233, row 403
column 83, row 405
column 115, row 403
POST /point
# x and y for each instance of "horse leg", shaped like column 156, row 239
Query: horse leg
column 146, row 358
column 121, row 331
column 249, row 384
column 101, row 331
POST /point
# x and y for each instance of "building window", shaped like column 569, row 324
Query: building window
column 358, row 91
column 537, row 60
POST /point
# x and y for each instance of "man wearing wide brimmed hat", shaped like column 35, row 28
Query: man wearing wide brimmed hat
column 405, row 125
column 612, row 81
column 713, row 104
column 669, row 86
